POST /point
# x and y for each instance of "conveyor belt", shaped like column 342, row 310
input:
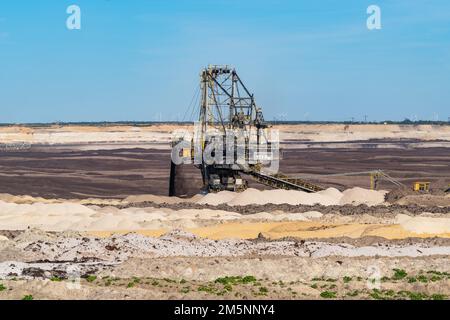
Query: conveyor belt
column 281, row 181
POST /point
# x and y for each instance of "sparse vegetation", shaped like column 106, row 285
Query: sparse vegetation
column 435, row 278
column 422, row 278
column 347, row 279
column 234, row 280
column 136, row 280
column 437, row 296
column 55, row 279
column 328, row 295
column 412, row 279
column 248, row 287
column 353, row 293
column 263, row 290
column 228, row 287
column 27, row 297
column 399, row 274
column 207, row 289
column 185, row 290
column 376, row 294
column 412, row 295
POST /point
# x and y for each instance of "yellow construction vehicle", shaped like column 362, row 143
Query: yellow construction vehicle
column 421, row 186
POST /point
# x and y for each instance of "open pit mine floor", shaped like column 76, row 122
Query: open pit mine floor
column 84, row 215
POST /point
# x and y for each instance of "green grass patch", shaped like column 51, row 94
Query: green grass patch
column 417, row 296
column 412, row 280
column 412, row 295
column 91, row 278
column 422, row 278
column 328, row 295
column 435, row 278
column 228, row 287
column 399, row 274
column 353, row 293
column 207, row 289
column 347, row 279
column 263, row 290
column 136, row 280
column 377, row 295
column 234, row 280
column 382, row 294
column 55, row 279
column 438, row 296
column 27, row 297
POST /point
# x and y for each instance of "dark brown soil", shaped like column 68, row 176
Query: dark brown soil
column 62, row 172
column 380, row 210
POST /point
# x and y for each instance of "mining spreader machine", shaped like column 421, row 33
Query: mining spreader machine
column 232, row 130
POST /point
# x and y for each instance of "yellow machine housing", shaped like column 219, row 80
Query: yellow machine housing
column 421, row 186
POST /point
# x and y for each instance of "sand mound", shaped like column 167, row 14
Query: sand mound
column 24, row 199
column 424, row 225
column 331, row 193
column 330, row 196
column 357, row 196
column 312, row 214
column 215, row 199
column 155, row 199
column 53, row 209
column 293, row 197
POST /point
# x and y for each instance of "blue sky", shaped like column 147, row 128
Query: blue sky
column 303, row 60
